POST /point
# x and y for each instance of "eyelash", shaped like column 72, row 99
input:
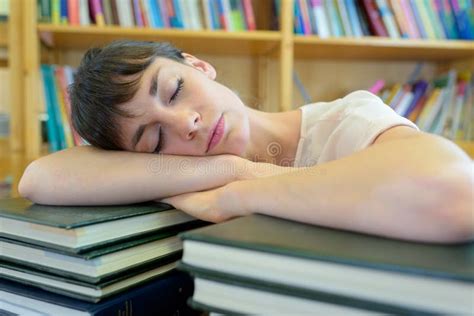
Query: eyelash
column 175, row 94
column 178, row 89
column 160, row 142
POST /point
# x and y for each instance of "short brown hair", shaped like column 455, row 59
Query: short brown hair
column 106, row 78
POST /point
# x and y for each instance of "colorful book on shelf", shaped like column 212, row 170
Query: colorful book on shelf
column 375, row 21
column 354, row 18
column 346, row 23
column 56, row 11
column 237, row 16
column 319, row 21
column 417, row 17
column 249, row 15
column 435, row 19
column 61, row 88
column 167, row 294
column 64, row 12
column 73, row 12
column 312, row 265
column 413, row 30
column 423, row 12
column 432, row 105
column 464, row 16
column 388, row 19
column 84, row 18
column 419, row 89
column 447, row 18
column 449, row 85
column 334, row 18
column 401, row 19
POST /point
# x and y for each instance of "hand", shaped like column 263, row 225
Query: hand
column 216, row 205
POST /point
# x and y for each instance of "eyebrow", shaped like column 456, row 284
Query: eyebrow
column 152, row 91
column 154, row 84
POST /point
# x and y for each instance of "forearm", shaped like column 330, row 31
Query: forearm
column 86, row 175
column 383, row 190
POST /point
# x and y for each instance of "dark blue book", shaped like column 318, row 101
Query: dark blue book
column 166, row 295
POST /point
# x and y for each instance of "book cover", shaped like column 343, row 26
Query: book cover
column 167, row 294
column 78, row 289
column 266, row 294
column 79, row 228
column 51, row 127
column 430, row 277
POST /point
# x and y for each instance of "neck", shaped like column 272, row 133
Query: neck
column 273, row 137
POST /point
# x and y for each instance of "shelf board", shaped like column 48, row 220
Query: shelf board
column 215, row 42
column 382, row 48
column 3, row 35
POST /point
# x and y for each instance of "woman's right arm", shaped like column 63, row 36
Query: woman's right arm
column 89, row 176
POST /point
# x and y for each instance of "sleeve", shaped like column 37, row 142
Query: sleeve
column 362, row 117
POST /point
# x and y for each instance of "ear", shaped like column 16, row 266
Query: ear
column 200, row 65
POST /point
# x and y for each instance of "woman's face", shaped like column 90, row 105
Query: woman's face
column 180, row 109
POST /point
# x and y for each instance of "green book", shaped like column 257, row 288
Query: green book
column 99, row 264
column 77, row 229
column 300, row 258
column 83, row 290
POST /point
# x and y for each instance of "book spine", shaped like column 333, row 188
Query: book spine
column 419, row 89
column 353, row 18
column 419, row 6
column 51, row 128
column 97, row 13
column 64, row 12
column 434, row 20
column 376, row 24
column 305, row 17
column 107, row 10
column 401, row 19
column 73, row 12
column 463, row 14
column 56, row 11
column 64, row 114
column 249, row 15
column 418, row 20
column 346, row 24
column 387, row 17
column 411, row 22
column 334, row 18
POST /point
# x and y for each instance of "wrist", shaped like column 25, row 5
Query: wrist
column 237, row 198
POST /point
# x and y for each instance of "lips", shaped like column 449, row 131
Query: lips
column 216, row 134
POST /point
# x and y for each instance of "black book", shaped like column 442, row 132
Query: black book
column 324, row 263
column 165, row 295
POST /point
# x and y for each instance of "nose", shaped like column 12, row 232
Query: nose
column 188, row 125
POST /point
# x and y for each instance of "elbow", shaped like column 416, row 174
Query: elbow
column 28, row 183
column 456, row 211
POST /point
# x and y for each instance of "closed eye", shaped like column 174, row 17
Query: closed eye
column 160, row 142
column 179, row 87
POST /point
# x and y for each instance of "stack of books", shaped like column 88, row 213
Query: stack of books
column 264, row 265
column 90, row 253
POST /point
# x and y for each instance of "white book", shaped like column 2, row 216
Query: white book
column 125, row 13
column 320, row 19
column 195, row 14
column 84, row 18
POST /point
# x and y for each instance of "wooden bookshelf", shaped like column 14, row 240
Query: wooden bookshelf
column 215, row 42
column 3, row 34
column 376, row 48
column 280, row 47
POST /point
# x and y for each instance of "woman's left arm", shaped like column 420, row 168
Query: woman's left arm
column 408, row 185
